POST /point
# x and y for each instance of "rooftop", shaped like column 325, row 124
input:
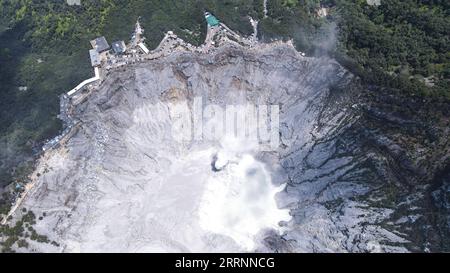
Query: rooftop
column 211, row 19
column 119, row 47
column 100, row 44
column 95, row 57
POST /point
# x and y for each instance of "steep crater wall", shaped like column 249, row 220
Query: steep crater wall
column 123, row 183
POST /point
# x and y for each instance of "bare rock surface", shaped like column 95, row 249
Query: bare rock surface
column 122, row 183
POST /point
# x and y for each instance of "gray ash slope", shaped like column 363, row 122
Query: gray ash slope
column 361, row 166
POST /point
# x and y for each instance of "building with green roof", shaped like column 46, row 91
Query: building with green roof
column 211, row 19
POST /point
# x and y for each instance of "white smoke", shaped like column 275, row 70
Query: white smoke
column 239, row 201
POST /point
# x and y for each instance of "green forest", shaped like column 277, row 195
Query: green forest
column 401, row 45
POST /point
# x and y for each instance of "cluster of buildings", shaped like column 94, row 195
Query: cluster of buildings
column 100, row 54
column 101, row 50
column 105, row 56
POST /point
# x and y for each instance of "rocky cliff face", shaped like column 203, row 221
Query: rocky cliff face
column 356, row 168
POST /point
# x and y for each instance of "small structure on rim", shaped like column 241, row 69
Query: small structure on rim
column 119, row 47
column 144, row 48
column 100, row 44
column 95, row 57
column 211, row 19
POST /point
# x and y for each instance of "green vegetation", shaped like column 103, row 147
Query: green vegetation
column 21, row 232
column 399, row 44
column 5, row 205
column 44, row 49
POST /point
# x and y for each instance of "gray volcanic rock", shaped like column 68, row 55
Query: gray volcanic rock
column 123, row 183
